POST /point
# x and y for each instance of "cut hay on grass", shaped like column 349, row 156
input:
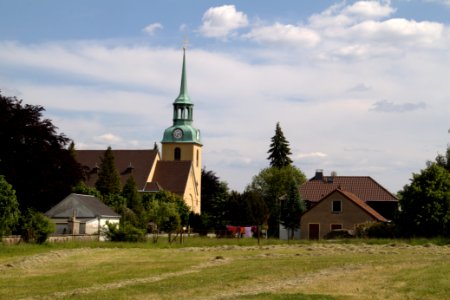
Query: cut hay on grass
column 271, row 271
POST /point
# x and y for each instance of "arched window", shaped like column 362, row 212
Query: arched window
column 177, row 154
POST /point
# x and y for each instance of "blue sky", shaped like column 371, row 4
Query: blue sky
column 359, row 87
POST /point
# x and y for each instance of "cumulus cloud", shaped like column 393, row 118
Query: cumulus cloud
column 284, row 34
column 387, row 106
column 222, row 21
column 398, row 30
column 109, row 138
column 150, row 29
column 369, row 10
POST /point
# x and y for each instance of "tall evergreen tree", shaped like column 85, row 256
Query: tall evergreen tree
column 108, row 182
column 131, row 193
column 279, row 150
column 292, row 209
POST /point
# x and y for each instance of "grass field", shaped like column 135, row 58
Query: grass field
column 226, row 269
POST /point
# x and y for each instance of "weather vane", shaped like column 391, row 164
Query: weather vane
column 185, row 42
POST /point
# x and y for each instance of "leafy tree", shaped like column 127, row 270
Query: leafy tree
column 33, row 157
column 83, row 189
column 425, row 203
column 273, row 183
column 444, row 160
column 35, row 226
column 292, row 209
column 108, row 181
column 9, row 207
column 279, row 150
column 214, row 201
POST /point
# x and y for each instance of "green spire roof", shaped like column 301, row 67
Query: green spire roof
column 183, row 97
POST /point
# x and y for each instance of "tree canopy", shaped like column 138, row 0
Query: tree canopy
column 425, row 203
column 33, row 156
column 9, row 207
column 272, row 184
column 279, row 150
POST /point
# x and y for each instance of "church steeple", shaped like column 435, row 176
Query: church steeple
column 183, row 97
column 183, row 113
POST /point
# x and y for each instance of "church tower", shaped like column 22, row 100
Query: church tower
column 181, row 141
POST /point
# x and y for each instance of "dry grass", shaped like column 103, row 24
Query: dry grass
column 299, row 271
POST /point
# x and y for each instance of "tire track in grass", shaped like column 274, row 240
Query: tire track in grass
column 217, row 261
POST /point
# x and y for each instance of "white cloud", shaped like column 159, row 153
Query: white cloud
column 281, row 34
column 399, row 30
column 222, row 21
column 109, row 138
column 151, row 28
column 311, row 154
column 369, row 10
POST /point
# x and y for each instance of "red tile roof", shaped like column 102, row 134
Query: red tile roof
column 364, row 187
column 171, row 176
column 352, row 197
column 136, row 162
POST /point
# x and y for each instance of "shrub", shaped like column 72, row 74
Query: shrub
column 339, row 234
column 375, row 230
column 35, row 226
column 123, row 233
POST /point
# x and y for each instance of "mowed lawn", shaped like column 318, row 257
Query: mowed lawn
column 322, row 270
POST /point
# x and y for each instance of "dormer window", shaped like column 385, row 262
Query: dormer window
column 336, row 207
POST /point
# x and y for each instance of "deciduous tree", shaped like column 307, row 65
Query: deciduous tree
column 33, row 156
column 9, row 207
column 273, row 183
column 425, row 203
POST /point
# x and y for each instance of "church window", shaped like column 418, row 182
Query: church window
column 177, row 154
column 197, row 158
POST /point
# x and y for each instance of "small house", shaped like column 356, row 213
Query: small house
column 338, row 210
column 81, row 214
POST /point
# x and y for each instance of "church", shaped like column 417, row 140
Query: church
column 176, row 169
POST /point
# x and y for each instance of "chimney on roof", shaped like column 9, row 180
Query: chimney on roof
column 319, row 174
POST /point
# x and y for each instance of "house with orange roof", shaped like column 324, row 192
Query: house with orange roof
column 364, row 187
column 339, row 209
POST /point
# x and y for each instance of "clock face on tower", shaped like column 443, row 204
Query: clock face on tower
column 177, row 133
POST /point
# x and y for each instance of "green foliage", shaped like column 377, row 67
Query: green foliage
column 272, row 184
column 376, row 230
column 215, row 196
column 83, row 189
column 131, row 194
column 125, row 232
column 108, row 182
column 444, row 160
column 292, row 209
column 33, row 157
column 425, row 203
column 279, row 150
column 35, row 226
column 9, row 207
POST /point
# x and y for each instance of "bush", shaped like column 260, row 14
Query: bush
column 375, row 230
column 35, row 226
column 339, row 234
column 124, row 233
